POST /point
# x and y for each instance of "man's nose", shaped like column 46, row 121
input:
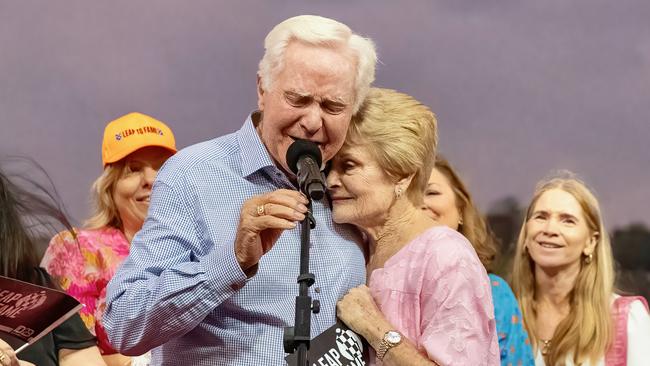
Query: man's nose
column 312, row 120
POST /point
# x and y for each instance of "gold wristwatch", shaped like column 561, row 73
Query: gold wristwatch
column 391, row 339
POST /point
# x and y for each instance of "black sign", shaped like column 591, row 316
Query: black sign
column 337, row 346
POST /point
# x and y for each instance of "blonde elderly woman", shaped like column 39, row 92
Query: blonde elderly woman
column 428, row 297
column 133, row 149
column 563, row 278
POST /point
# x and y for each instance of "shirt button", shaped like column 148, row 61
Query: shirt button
column 317, row 289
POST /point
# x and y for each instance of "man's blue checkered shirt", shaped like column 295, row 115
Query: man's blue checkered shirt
column 181, row 286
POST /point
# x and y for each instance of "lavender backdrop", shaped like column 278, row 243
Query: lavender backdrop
column 520, row 87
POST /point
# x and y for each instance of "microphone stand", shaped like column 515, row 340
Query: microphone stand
column 298, row 338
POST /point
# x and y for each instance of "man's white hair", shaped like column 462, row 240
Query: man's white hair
column 318, row 31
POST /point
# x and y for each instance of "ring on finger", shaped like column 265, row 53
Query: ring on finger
column 260, row 210
column 2, row 357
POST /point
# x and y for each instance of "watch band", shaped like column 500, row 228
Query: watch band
column 391, row 339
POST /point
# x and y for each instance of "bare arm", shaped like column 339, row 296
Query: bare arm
column 117, row 359
column 86, row 356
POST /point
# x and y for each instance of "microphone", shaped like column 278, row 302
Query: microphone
column 304, row 159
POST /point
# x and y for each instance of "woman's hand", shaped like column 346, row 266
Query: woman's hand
column 358, row 310
column 7, row 355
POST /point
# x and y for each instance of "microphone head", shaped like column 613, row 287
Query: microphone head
column 301, row 148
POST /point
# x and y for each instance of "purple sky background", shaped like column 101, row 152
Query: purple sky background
column 520, row 87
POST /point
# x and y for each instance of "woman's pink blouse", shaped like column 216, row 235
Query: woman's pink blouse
column 436, row 292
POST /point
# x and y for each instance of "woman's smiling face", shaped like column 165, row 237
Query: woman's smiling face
column 557, row 234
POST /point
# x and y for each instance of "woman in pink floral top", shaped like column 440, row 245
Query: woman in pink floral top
column 83, row 265
column 429, row 300
column 84, row 260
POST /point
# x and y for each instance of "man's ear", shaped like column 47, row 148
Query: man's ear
column 260, row 94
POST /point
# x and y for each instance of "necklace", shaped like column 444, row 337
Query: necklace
column 546, row 348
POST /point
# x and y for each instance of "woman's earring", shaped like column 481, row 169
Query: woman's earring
column 460, row 221
column 589, row 258
column 398, row 192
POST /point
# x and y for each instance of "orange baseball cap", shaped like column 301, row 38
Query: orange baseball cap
column 132, row 132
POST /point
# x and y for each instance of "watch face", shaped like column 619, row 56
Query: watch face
column 393, row 337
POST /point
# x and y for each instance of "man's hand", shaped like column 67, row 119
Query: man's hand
column 261, row 221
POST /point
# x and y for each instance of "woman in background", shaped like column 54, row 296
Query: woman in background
column 27, row 209
column 84, row 260
column 564, row 277
column 449, row 202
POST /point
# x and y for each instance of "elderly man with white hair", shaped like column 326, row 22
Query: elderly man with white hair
column 211, row 277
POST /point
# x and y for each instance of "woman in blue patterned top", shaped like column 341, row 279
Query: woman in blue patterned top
column 449, row 202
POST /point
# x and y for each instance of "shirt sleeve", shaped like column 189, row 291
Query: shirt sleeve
column 173, row 277
column 65, row 262
column 457, row 321
column 514, row 345
column 638, row 334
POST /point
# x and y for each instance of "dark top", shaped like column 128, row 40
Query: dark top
column 71, row 334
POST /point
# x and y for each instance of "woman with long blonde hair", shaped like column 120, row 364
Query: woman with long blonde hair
column 563, row 279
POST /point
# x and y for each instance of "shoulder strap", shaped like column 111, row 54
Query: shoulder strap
column 617, row 353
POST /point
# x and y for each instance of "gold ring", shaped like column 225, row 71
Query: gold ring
column 2, row 356
column 260, row 210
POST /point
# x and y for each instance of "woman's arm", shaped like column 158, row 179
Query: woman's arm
column 117, row 359
column 359, row 311
column 86, row 356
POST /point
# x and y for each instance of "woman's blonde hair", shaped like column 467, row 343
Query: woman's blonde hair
column 105, row 213
column 401, row 133
column 586, row 332
column 473, row 226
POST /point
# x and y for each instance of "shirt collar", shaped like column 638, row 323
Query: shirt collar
column 253, row 153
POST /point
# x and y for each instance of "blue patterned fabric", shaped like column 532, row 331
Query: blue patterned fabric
column 514, row 344
column 181, row 286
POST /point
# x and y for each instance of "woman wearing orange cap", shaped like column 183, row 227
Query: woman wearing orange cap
column 84, row 260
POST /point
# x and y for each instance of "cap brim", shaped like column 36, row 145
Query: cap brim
column 119, row 157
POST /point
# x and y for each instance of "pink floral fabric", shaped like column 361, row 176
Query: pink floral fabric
column 83, row 268
column 436, row 293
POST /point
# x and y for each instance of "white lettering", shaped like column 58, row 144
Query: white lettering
column 9, row 311
column 335, row 354
column 330, row 360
